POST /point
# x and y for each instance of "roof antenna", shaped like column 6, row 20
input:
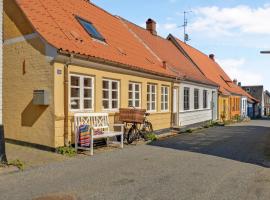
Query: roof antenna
column 186, row 36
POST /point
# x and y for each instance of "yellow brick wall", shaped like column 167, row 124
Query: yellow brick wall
column 13, row 14
column 159, row 119
column 25, row 69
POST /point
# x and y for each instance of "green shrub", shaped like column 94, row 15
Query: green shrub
column 151, row 137
column 17, row 163
column 66, row 151
column 189, row 131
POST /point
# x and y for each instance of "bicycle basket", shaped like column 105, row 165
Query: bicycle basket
column 131, row 115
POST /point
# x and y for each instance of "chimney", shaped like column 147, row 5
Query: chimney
column 239, row 84
column 212, row 57
column 151, row 26
column 164, row 64
column 235, row 81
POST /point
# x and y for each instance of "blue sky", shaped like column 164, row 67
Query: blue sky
column 235, row 31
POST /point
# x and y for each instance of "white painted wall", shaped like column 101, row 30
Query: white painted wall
column 192, row 116
column 244, row 107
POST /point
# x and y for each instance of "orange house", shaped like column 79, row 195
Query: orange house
column 230, row 94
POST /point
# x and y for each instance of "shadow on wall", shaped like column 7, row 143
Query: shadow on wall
column 31, row 114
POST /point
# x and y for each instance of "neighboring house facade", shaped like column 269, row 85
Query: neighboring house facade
column 266, row 103
column 257, row 110
column 195, row 96
column 83, row 59
column 230, row 94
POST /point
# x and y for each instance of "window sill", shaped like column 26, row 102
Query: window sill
column 197, row 110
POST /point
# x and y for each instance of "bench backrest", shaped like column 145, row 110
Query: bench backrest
column 94, row 120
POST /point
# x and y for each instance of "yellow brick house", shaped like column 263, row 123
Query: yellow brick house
column 62, row 57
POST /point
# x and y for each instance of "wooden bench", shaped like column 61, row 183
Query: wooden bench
column 96, row 121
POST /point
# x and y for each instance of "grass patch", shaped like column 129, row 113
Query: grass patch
column 66, row 151
column 17, row 163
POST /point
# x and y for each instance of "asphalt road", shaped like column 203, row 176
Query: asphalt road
column 218, row 163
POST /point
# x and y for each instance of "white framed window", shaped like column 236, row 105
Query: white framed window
column 196, row 99
column 186, row 98
column 110, row 94
column 81, row 95
column 151, row 97
column 134, row 95
column 205, row 99
column 164, row 98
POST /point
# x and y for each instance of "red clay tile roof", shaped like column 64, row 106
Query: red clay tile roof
column 211, row 69
column 55, row 21
column 167, row 52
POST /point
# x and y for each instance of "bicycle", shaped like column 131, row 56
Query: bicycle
column 136, row 133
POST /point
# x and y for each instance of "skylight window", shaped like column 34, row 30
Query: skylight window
column 91, row 30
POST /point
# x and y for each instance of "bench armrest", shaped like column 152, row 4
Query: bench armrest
column 119, row 125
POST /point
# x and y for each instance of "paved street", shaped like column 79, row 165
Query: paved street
column 217, row 163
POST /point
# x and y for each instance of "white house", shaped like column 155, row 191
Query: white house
column 194, row 96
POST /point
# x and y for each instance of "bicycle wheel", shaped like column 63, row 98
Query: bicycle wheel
column 132, row 135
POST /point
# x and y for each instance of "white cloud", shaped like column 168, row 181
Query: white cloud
column 228, row 21
column 169, row 26
column 236, row 68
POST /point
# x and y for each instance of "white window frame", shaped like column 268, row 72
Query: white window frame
column 188, row 102
column 150, row 101
column 110, row 109
column 133, row 91
column 81, row 97
column 205, row 101
column 165, row 103
column 196, row 89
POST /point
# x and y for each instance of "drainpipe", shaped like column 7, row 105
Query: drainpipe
column 66, row 101
column 3, row 157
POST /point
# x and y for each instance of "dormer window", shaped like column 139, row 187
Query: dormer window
column 90, row 29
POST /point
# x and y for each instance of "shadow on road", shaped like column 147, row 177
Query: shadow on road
column 249, row 144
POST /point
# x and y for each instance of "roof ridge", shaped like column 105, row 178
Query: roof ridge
column 144, row 29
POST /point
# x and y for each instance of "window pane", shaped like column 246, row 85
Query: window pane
column 137, row 87
column 148, row 106
column 87, row 82
column 153, row 89
column 87, row 104
column 130, row 87
column 114, row 104
column 137, row 103
column 137, row 95
column 130, row 104
column 148, row 88
column 92, row 31
column 105, row 104
column 87, row 93
column 105, row 94
column 75, row 92
column 153, row 106
column 114, row 95
column 162, row 106
column 75, row 104
column 153, row 97
column 148, row 97
column 75, row 81
column 114, row 85
column 130, row 95
column 166, row 98
column 105, row 84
